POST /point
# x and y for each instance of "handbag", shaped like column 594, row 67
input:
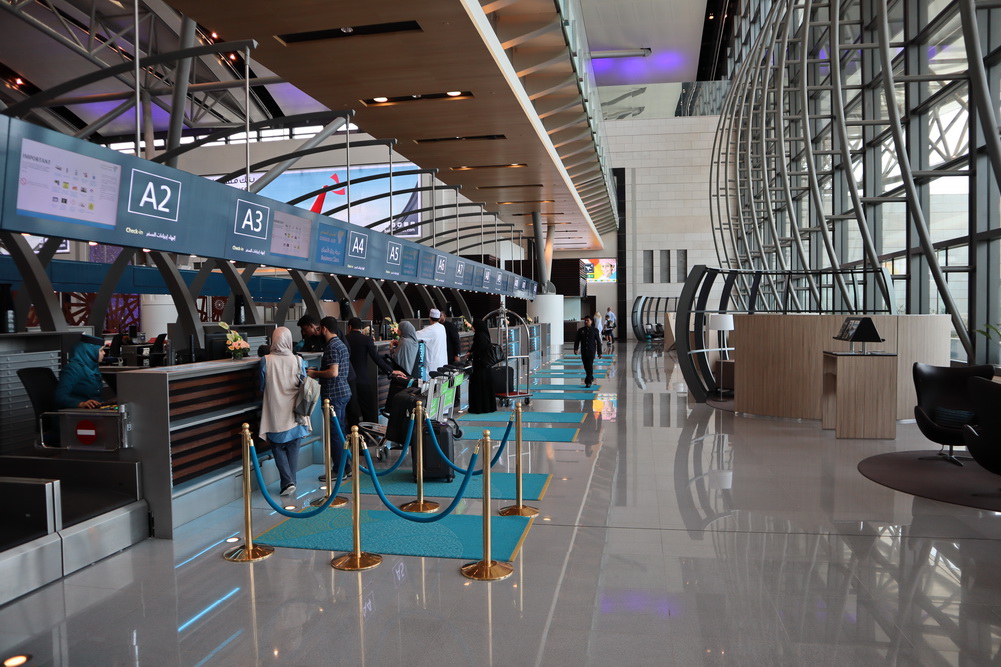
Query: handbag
column 496, row 355
column 306, row 396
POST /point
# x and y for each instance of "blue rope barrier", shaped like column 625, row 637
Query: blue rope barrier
column 399, row 461
column 493, row 462
column 423, row 518
column 281, row 510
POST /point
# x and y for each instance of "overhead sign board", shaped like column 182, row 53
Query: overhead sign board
column 55, row 185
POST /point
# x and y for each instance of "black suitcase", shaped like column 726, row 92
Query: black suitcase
column 400, row 408
column 434, row 468
column 503, row 379
column 396, row 384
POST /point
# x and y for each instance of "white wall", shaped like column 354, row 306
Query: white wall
column 667, row 163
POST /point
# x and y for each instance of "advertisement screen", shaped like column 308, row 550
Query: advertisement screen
column 601, row 270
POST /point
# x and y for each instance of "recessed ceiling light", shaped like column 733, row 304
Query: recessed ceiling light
column 507, row 187
column 417, row 97
column 487, row 166
column 531, row 201
column 16, row 660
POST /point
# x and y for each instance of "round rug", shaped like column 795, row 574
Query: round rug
column 969, row 485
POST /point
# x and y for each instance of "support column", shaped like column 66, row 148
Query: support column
column 180, row 95
column 540, row 255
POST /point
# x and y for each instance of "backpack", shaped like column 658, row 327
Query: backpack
column 307, row 396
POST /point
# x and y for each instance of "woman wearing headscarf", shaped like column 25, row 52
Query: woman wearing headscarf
column 80, row 382
column 406, row 351
column 281, row 372
column 481, row 385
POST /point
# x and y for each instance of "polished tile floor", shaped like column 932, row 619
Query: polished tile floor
column 672, row 534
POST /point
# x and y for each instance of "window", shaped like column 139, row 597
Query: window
column 682, row 265
column 648, row 266
column 665, row 266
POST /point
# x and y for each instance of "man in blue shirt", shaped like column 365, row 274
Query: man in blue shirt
column 333, row 377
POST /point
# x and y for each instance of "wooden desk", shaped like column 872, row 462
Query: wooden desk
column 860, row 394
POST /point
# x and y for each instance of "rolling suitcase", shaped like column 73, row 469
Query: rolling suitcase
column 503, row 379
column 434, row 468
column 400, row 407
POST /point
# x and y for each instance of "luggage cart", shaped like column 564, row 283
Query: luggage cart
column 523, row 362
column 515, row 393
column 441, row 398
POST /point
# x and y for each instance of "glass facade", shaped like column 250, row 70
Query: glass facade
column 864, row 135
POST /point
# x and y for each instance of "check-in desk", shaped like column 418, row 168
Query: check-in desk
column 860, row 394
column 186, row 423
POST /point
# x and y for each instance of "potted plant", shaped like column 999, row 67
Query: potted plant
column 235, row 343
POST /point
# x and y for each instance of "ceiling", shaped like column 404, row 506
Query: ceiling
column 522, row 102
column 671, row 29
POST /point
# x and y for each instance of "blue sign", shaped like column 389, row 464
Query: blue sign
column 155, row 196
column 330, row 245
column 410, row 258
column 56, row 185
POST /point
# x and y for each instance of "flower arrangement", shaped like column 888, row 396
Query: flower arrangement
column 237, row 347
column 466, row 325
column 393, row 327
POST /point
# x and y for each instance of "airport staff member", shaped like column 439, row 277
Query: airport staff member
column 80, row 382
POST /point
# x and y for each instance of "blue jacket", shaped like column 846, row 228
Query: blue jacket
column 80, row 379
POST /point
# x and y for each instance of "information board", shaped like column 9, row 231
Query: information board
column 56, row 185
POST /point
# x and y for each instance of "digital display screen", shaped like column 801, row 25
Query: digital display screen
column 601, row 270
column 62, row 185
column 291, row 235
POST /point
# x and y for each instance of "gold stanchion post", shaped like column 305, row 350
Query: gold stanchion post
column 357, row 559
column 519, row 508
column 419, row 506
column 247, row 552
column 487, row 569
column 339, row 501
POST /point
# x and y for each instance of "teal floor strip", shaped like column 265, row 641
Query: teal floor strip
column 382, row 532
column 552, row 417
column 564, row 396
column 558, row 386
column 401, row 483
column 530, row 433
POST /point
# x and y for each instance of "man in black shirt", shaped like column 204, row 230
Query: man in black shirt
column 451, row 339
column 366, row 388
column 312, row 339
column 588, row 341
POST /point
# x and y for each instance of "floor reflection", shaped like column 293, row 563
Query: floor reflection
column 671, row 534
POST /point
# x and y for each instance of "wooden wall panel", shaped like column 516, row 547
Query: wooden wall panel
column 779, row 366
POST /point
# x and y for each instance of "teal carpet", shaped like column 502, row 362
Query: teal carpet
column 456, row 536
column 530, row 433
column 553, row 417
column 502, row 487
column 558, row 386
column 567, row 374
column 563, row 396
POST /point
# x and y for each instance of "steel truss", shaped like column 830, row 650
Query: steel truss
column 863, row 134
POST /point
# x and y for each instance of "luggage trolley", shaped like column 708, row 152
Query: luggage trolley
column 523, row 364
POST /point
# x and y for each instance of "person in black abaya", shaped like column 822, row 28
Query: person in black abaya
column 481, row 386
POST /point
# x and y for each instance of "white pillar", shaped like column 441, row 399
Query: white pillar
column 156, row 312
column 549, row 309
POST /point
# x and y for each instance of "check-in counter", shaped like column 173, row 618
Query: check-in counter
column 186, row 424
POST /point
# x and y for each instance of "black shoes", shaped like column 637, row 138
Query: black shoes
column 347, row 475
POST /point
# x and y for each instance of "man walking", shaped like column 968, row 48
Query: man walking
column 588, row 341
column 612, row 321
